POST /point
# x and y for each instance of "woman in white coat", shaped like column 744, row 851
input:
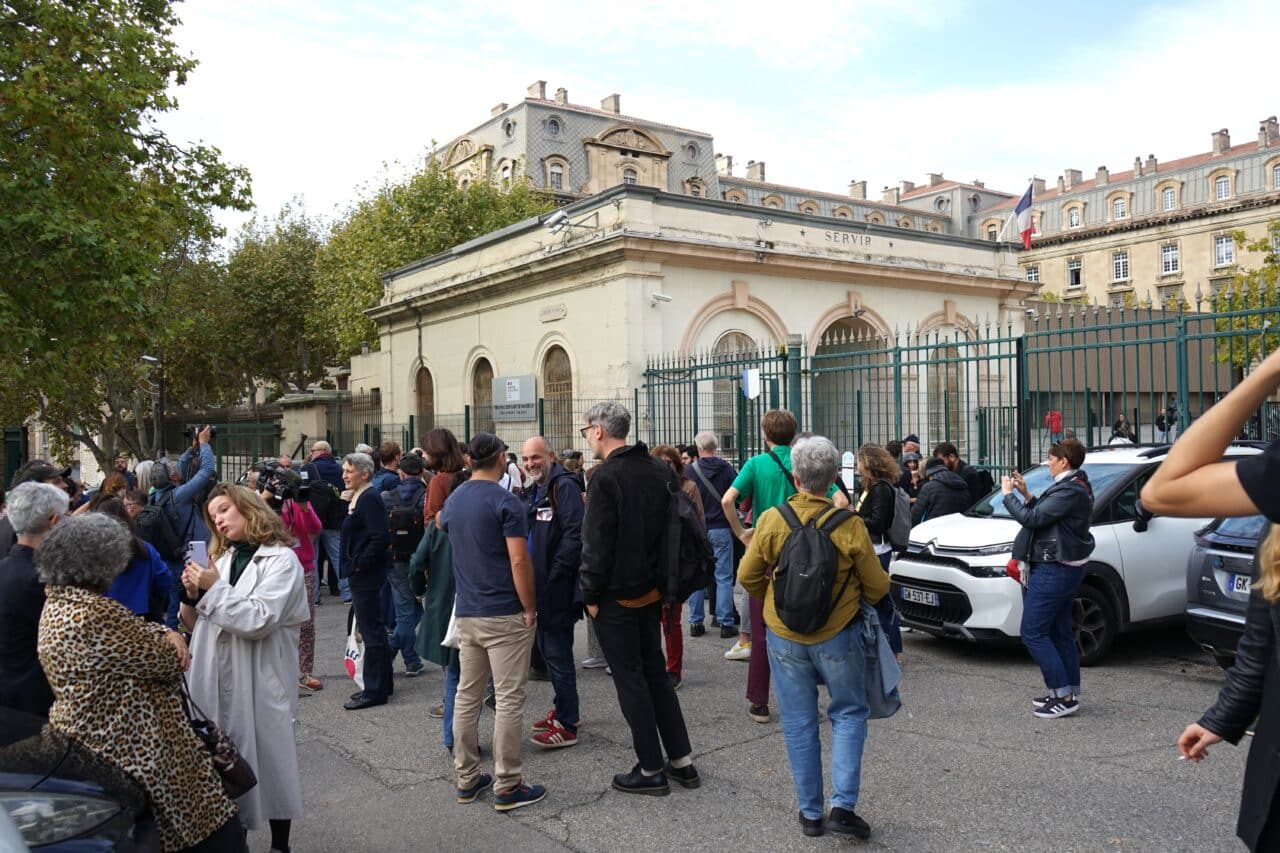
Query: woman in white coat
column 246, row 612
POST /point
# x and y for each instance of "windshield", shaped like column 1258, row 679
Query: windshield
column 1250, row 527
column 1101, row 477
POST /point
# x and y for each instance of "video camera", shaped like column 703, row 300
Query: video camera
column 193, row 430
column 282, row 483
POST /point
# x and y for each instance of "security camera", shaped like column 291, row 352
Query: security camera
column 556, row 222
column 1032, row 313
column 655, row 298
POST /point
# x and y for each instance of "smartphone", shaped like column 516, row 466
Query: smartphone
column 198, row 553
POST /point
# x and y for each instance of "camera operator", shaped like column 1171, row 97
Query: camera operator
column 289, row 494
column 325, row 473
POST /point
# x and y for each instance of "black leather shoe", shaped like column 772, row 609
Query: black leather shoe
column 636, row 782
column 364, row 702
column 811, row 826
column 847, row 823
column 697, row 629
column 359, row 694
column 727, row 631
column 686, row 776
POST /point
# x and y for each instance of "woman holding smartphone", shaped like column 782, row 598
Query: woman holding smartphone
column 246, row 610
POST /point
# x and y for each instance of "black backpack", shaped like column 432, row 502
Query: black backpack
column 404, row 525
column 328, row 504
column 153, row 527
column 807, row 569
column 182, row 531
column 687, row 563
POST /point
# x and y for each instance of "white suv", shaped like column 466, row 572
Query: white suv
column 951, row 580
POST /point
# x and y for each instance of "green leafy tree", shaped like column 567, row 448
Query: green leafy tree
column 398, row 223
column 1251, row 305
column 95, row 201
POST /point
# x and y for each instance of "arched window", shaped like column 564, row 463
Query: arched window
column 730, row 349
column 506, row 176
column 772, row 200
column 735, row 196
column 1221, row 188
column 481, row 397
column 849, row 382
column 809, row 208
column 628, row 176
column 842, row 212
column 1073, row 217
column 557, row 176
column 1168, row 198
column 425, row 391
column 905, row 222
column 875, row 218
column 557, row 393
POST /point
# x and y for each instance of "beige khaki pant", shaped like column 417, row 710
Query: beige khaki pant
column 497, row 645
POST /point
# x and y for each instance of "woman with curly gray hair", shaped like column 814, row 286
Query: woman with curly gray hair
column 115, row 682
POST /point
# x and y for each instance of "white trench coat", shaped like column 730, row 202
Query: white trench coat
column 244, row 673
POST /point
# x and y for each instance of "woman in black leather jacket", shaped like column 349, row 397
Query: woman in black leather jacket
column 1194, row 481
column 879, row 473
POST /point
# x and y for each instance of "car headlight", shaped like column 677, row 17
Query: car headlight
column 991, row 550
column 987, row 571
column 48, row 818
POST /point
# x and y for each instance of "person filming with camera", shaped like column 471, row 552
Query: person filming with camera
column 182, row 503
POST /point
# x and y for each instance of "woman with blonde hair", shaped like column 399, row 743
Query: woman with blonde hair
column 1194, row 481
column 246, row 612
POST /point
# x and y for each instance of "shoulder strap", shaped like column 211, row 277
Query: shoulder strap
column 789, row 515
column 706, row 482
column 774, row 457
column 671, row 542
column 835, row 516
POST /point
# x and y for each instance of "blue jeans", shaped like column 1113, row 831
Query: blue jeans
column 451, row 675
column 721, row 539
column 408, row 612
column 842, row 663
column 1046, row 625
column 331, row 541
column 556, row 645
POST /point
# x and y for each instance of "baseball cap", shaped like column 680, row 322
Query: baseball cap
column 911, row 457
column 39, row 471
column 484, row 446
column 571, row 454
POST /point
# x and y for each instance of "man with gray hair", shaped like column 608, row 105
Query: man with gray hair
column 34, row 508
column 622, row 535
column 714, row 477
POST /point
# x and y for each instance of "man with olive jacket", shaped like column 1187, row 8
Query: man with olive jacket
column 1054, row 544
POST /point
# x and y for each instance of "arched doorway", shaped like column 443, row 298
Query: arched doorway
column 425, row 389
column 945, row 386
column 726, row 392
column 852, row 391
column 481, row 397
column 557, row 395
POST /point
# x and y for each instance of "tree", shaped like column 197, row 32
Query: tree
column 94, row 198
column 1250, row 306
column 399, row 223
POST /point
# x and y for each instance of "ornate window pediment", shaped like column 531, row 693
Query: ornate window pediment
column 632, row 138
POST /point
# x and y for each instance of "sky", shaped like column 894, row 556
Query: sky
column 319, row 98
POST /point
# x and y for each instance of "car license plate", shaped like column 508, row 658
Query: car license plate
column 921, row 596
column 1239, row 583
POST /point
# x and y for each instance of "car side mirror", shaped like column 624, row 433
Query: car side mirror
column 1143, row 521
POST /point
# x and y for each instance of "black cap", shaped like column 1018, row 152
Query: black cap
column 912, row 439
column 39, row 471
column 571, row 454
column 411, row 464
column 484, row 446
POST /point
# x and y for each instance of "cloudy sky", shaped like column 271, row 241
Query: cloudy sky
column 318, row 97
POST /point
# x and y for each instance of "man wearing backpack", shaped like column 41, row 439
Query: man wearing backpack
column 555, row 546
column 183, row 505
column 826, row 567
column 623, row 532
column 713, row 476
column 405, row 528
column 766, row 481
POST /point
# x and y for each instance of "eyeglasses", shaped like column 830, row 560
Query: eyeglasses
column 583, row 432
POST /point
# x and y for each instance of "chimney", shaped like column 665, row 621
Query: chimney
column 724, row 165
column 1221, row 141
column 1103, row 176
column 538, row 90
column 935, row 178
column 499, row 109
column 979, row 184
column 889, row 195
column 1137, row 167
column 1073, row 178
column 858, row 190
column 1037, row 186
column 1268, row 132
column 612, row 104
column 562, row 95
column 1062, row 186
column 907, row 186
column 1150, row 168
column 755, row 171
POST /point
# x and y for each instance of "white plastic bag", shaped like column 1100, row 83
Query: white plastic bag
column 451, row 633
column 355, row 653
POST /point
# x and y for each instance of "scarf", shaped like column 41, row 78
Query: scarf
column 241, row 555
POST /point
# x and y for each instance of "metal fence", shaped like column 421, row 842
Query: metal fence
column 558, row 419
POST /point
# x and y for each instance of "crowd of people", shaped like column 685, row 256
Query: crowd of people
column 479, row 561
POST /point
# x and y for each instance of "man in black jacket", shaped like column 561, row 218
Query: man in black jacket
column 555, row 546
column 365, row 562
column 35, row 471
column 622, row 536
column 942, row 493
column 978, row 484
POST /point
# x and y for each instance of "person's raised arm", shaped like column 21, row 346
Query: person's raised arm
column 1193, row 480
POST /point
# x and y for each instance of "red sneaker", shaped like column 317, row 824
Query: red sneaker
column 546, row 722
column 554, row 737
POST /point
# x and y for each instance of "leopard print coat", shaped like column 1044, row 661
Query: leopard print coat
column 115, row 681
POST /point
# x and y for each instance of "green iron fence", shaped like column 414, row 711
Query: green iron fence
column 558, row 419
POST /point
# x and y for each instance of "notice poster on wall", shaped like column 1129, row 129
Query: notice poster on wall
column 751, row 383
column 515, row 398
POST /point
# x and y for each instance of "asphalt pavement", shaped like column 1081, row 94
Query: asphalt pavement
column 963, row 766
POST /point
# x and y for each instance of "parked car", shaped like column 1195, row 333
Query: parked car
column 952, row 580
column 1220, row 573
column 61, row 797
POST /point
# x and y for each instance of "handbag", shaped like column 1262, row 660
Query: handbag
column 451, row 632
column 354, row 659
column 237, row 776
column 883, row 673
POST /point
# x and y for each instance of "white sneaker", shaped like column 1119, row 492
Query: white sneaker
column 740, row 651
column 594, row 663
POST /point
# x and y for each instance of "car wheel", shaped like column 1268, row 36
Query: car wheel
column 1093, row 618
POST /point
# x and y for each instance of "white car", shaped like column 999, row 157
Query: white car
column 951, row 580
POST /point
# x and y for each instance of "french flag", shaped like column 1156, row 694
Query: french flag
column 1023, row 214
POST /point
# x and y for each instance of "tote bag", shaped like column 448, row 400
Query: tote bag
column 355, row 652
column 883, row 673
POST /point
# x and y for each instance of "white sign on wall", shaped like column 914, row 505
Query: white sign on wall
column 515, row 398
column 751, row 383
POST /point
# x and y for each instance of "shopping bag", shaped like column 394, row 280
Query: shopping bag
column 451, row 633
column 883, row 673
column 355, row 652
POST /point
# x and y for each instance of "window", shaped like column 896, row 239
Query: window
column 629, row 176
column 772, row 203
column 905, row 222
column 842, row 214
column 1224, row 250
column 1221, row 187
column 1275, row 177
column 1073, row 217
column 691, row 151
column 506, row 177
column 875, row 219
column 509, row 128
column 1119, row 266
column 695, row 190
column 992, row 233
column 1075, row 275
column 1119, row 208
column 557, row 176
column 1169, row 263
column 1033, row 272
column 1168, row 198
column 553, row 127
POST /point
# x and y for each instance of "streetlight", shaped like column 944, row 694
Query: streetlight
column 159, row 362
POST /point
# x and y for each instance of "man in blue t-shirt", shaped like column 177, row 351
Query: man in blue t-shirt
column 495, row 610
